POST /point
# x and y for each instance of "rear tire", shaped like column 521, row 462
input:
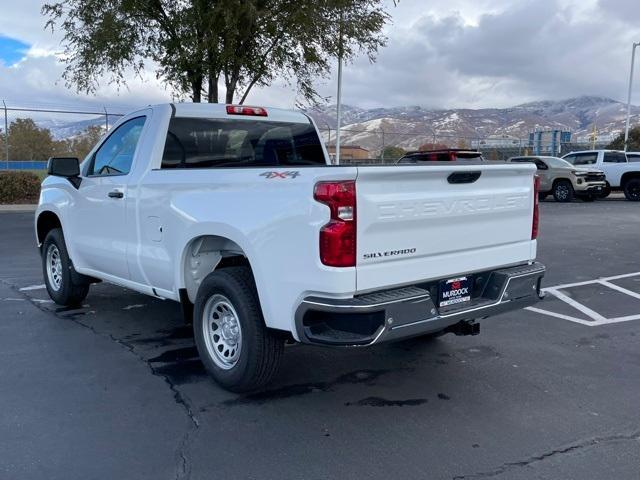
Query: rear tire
column 65, row 286
column 234, row 344
column 563, row 191
column 631, row 189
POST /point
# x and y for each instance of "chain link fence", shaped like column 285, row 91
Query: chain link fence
column 384, row 146
column 31, row 133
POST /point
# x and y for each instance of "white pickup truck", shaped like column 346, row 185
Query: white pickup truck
column 620, row 172
column 235, row 212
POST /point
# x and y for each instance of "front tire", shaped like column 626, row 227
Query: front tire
column 606, row 191
column 64, row 285
column 631, row 189
column 563, row 191
column 235, row 346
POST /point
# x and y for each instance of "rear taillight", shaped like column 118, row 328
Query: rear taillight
column 536, row 208
column 242, row 110
column 338, row 237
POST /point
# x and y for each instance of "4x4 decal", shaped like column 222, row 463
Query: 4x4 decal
column 289, row 174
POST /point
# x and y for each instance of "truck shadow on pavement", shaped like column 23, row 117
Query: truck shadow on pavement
column 154, row 330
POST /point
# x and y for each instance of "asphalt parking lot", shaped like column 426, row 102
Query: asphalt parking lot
column 115, row 389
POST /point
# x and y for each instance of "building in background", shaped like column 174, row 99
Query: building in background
column 548, row 142
column 497, row 141
column 349, row 152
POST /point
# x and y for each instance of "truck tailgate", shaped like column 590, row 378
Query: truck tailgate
column 417, row 223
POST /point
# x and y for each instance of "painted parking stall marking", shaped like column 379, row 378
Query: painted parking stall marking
column 585, row 315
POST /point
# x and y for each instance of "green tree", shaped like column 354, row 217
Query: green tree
column 27, row 141
column 79, row 145
column 193, row 44
column 390, row 152
column 634, row 141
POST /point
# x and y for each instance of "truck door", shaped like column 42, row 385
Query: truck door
column 99, row 220
column 614, row 165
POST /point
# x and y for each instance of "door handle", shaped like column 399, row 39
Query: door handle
column 116, row 194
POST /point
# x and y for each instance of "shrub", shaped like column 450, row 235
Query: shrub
column 19, row 187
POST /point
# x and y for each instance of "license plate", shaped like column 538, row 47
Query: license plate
column 454, row 291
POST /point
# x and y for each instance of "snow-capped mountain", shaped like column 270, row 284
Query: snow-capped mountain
column 61, row 129
column 409, row 127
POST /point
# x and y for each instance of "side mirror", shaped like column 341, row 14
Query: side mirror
column 67, row 167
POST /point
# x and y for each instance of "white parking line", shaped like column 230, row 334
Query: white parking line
column 577, row 305
column 33, row 287
column 596, row 318
column 589, row 282
column 559, row 315
column 619, row 288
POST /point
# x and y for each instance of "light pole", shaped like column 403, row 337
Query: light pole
column 626, row 130
column 339, row 106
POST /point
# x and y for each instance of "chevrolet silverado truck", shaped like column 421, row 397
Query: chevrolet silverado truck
column 620, row 172
column 236, row 213
column 566, row 181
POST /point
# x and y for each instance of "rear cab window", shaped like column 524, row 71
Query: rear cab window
column 229, row 143
column 469, row 156
column 440, row 156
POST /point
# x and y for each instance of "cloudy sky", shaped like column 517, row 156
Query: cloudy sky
column 440, row 53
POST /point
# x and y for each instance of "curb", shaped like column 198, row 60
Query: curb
column 18, row 208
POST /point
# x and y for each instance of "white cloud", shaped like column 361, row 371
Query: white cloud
column 442, row 53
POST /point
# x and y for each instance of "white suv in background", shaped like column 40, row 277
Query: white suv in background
column 620, row 172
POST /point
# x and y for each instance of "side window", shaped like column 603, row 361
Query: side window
column 115, row 155
column 570, row 158
column 585, row 159
column 541, row 165
column 615, row 157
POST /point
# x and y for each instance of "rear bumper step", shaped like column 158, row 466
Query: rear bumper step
column 410, row 311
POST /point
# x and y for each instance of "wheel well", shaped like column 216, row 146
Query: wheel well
column 628, row 176
column 205, row 254
column 558, row 180
column 47, row 221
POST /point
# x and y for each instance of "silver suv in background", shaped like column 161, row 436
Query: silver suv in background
column 565, row 181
